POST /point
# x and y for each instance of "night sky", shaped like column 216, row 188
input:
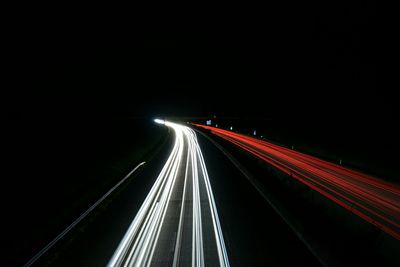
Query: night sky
column 309, row 66
column 297, row 61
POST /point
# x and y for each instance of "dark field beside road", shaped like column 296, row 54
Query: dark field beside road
column 58, row 167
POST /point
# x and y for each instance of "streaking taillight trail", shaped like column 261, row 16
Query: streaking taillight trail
column 372, row 199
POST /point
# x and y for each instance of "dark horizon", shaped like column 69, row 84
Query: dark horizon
column 296, row 63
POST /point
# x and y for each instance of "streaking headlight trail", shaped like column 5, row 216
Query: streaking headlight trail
column 178, row 223
column 159, row 121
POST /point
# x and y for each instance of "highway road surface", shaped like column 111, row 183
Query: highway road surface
column 178, row 223
column 372, row 199
column 183, row 209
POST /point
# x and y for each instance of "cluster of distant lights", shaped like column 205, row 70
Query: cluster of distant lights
column 208, row 122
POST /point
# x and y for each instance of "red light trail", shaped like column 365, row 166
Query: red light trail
column 372, row 199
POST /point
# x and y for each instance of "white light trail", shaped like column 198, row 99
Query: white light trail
column 159, row 121
column 139, row 244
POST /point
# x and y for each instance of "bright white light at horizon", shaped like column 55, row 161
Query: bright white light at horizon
column 159, row 121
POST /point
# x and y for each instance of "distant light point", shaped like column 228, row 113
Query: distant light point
column 159, row 121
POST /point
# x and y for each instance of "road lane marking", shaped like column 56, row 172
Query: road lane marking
column 79, row 219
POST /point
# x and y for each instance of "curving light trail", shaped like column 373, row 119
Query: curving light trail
column 372, row 199
column 184, row 180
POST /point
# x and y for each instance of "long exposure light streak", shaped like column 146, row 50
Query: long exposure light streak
column 186, row 172
column 372, row 199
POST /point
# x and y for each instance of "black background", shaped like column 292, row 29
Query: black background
column 311, row 66
column 298, row 61
column 308, row 68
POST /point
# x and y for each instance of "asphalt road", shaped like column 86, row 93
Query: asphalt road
column 255, row 234
column 178, row 223
column 184, row 209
